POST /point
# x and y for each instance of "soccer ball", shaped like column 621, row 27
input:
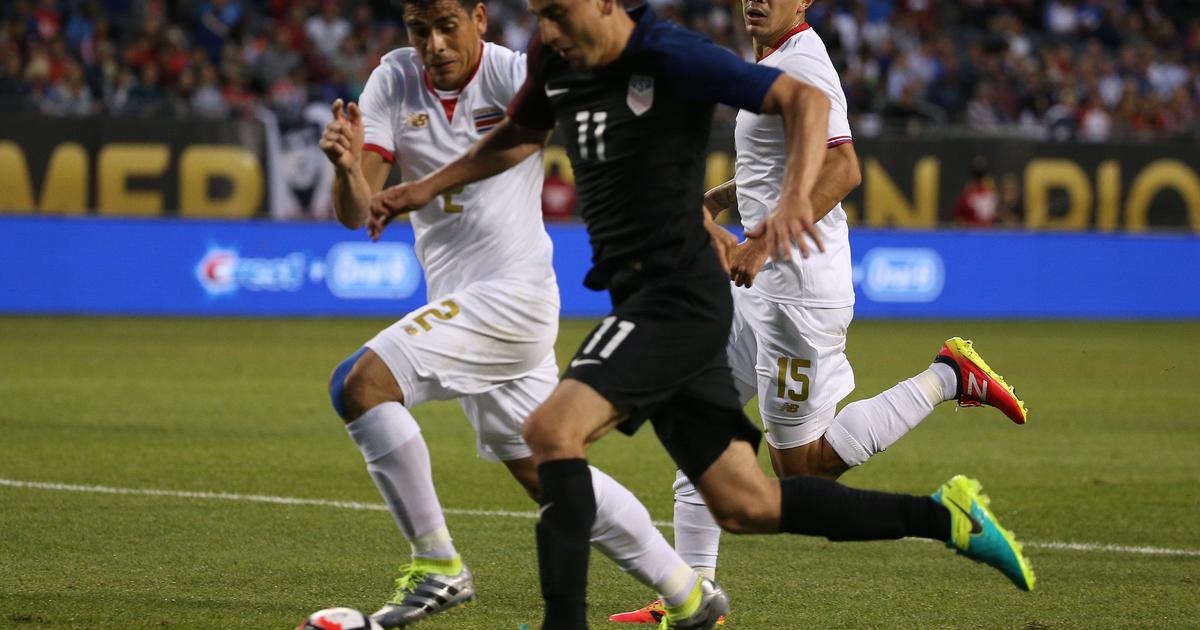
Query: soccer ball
column 338, row 619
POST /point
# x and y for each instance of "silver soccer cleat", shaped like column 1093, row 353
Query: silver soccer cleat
column 420, row 594
column 714, row 604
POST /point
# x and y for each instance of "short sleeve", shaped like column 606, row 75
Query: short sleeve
column 531, row 107
column 375, row 105
column 703, row 71
column 820, row 74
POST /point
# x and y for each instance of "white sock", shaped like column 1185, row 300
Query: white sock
column 697, row 535
column 398, row 461
column 624, row 533
column 867, row 427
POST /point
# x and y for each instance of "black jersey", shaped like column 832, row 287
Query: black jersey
column 636, row 132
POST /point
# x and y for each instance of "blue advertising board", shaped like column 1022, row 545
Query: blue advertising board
column 189, row 267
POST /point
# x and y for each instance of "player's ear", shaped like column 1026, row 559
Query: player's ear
column 479, row 16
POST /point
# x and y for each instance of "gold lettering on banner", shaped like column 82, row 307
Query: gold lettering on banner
column 1108, row 195
column 116, row 164
column 1159, row 175
column 200, row 163
column 1044, row 175
column 554, row 155
column 64, row 191
column 886, row 206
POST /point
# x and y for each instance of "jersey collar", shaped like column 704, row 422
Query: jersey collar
column 643, row 18
column 800, row 28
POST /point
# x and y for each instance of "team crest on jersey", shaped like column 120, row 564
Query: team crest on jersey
column 641, row 94
column 418, row 120
column 486, row 118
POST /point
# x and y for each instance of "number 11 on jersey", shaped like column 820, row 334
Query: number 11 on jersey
column 593, row 122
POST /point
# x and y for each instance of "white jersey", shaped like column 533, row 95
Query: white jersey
column 823, row 280
column 491, row 229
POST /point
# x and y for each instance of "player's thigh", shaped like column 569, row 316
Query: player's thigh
column 816, row 458
column 469, row 342
column 498, row 415
column 802, row 370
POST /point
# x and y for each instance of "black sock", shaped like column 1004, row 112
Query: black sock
column 568, row 509
column 814, row 506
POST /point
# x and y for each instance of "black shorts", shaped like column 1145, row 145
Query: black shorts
column 660, row 356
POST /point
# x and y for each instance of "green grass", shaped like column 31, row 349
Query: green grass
column 1110, row 455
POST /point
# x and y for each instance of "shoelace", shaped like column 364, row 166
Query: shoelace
column 410, row 577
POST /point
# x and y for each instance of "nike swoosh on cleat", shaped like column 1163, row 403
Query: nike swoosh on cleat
column 976, row 526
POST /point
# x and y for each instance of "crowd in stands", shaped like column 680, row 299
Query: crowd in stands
column 1082, row 69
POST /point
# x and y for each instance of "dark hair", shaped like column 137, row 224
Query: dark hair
column 425, row 5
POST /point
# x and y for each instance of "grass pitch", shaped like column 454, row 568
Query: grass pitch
column 1109, row 457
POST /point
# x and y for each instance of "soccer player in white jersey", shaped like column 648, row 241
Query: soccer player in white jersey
column 787, row 344
column 487, row 335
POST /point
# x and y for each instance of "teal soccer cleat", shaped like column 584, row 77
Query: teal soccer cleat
column 976, row 533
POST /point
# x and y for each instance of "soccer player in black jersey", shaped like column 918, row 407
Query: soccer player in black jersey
column 634, row 96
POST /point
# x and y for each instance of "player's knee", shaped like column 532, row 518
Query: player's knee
column 546, row 436
column 356, row 386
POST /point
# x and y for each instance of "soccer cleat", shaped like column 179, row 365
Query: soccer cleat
column 976, row 533
column 714, row 605
column 650, row 613
column 978, row 384
column 425, row 588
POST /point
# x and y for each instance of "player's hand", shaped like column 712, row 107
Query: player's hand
column 390, row 203
column 723, row 242
column 344, row 136
column 788, row 225
column 748, row 257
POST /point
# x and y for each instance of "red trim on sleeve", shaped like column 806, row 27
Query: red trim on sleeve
column 838, row 141
column 384, row 153
column 800, row 28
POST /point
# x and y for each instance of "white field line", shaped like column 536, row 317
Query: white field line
column 379, row 507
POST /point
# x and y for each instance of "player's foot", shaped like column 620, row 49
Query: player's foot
column 976, row 533
column 650, row 613
column 978, row 384
column 426, row 587
column 704, row 610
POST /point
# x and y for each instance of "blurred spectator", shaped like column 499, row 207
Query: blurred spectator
column 979, row 203
column 1054, row 69
column 558, row 196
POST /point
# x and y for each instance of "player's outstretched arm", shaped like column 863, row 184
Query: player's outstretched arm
column 505, row 147
column 356, row 176
column 805, row 112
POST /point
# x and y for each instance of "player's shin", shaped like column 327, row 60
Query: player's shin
column 820, row 507
column 398, row 461
column 625, row 534
column 566, row 514
column 867, row 427
column 697, row 535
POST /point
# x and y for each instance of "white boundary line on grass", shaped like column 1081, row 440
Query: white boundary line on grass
column 379, row 507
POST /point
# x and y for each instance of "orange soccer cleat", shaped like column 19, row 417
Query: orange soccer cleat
column 978, row 384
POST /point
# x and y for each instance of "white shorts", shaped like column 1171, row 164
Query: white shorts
column 490, row 344
column 794, row 359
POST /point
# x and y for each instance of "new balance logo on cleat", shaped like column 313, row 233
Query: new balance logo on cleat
column 978, row 384
column 976, row 388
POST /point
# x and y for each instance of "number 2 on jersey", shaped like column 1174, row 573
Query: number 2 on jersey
column 783, row 390
column 583, row 120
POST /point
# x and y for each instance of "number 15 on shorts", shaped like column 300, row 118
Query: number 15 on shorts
column 610, row 341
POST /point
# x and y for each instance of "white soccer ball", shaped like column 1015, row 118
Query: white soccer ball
column 338, row 619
